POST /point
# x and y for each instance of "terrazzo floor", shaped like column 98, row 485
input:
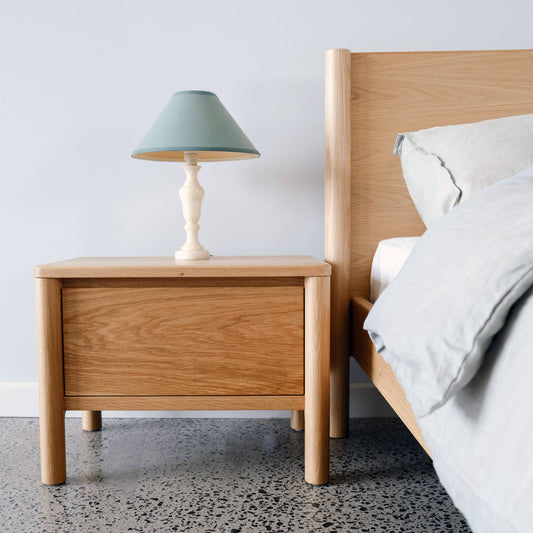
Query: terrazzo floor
column 227, row 475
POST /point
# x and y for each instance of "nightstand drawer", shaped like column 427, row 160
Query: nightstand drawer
column 198, row 340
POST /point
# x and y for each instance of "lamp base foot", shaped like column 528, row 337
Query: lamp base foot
column 191, row 255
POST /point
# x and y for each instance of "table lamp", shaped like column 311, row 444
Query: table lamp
column 194, row 126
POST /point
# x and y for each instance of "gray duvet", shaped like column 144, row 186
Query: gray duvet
column 456, row 325
column 481, row 440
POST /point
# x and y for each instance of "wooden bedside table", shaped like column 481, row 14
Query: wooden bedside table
column 159, row 334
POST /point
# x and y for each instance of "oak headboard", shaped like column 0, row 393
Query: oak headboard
column 370, row 98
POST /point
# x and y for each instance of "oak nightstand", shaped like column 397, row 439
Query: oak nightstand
column 160, row 334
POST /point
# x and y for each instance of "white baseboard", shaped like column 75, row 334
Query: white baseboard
column 22, row 399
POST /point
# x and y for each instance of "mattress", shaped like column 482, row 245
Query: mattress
column 389, row 258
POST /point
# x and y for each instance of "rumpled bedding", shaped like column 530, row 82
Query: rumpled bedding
column 456, row 326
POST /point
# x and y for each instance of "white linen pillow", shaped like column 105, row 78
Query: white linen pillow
column 446, row 165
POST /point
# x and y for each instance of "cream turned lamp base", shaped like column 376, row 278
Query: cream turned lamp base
column 191, row 195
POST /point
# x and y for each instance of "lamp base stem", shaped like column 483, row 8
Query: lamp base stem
column 191, row 195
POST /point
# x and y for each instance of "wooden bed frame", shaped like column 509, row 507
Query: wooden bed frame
column 370, row 98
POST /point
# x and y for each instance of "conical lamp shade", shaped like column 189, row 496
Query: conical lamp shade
column 195, row 121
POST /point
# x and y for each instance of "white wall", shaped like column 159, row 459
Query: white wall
column 81, row 82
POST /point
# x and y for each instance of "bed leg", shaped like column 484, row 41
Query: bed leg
column 338, row 424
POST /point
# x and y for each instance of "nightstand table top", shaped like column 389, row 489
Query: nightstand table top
column 168, row 267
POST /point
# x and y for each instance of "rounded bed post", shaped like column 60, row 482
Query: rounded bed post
column 337, row 228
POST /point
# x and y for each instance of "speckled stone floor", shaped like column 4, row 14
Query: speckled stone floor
column 210, row 475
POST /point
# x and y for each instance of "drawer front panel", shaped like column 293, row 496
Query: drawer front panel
column 183, row 341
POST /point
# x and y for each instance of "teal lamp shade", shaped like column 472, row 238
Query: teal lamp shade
column 195, row 121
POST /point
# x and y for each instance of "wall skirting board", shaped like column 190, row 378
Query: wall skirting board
column 22, row 399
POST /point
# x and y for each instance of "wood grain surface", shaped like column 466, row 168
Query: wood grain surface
column 183, row 341
column 317, row 366
column 406, row 91
column 50, row 360
column 168, row 267
column 182, row 282
column 391, row 93
column 337, row 228
column 183, row 403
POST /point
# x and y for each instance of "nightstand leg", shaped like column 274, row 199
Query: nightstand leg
column 317, row 323
column 91, row 420
column 297, row 420
column 50, row 353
